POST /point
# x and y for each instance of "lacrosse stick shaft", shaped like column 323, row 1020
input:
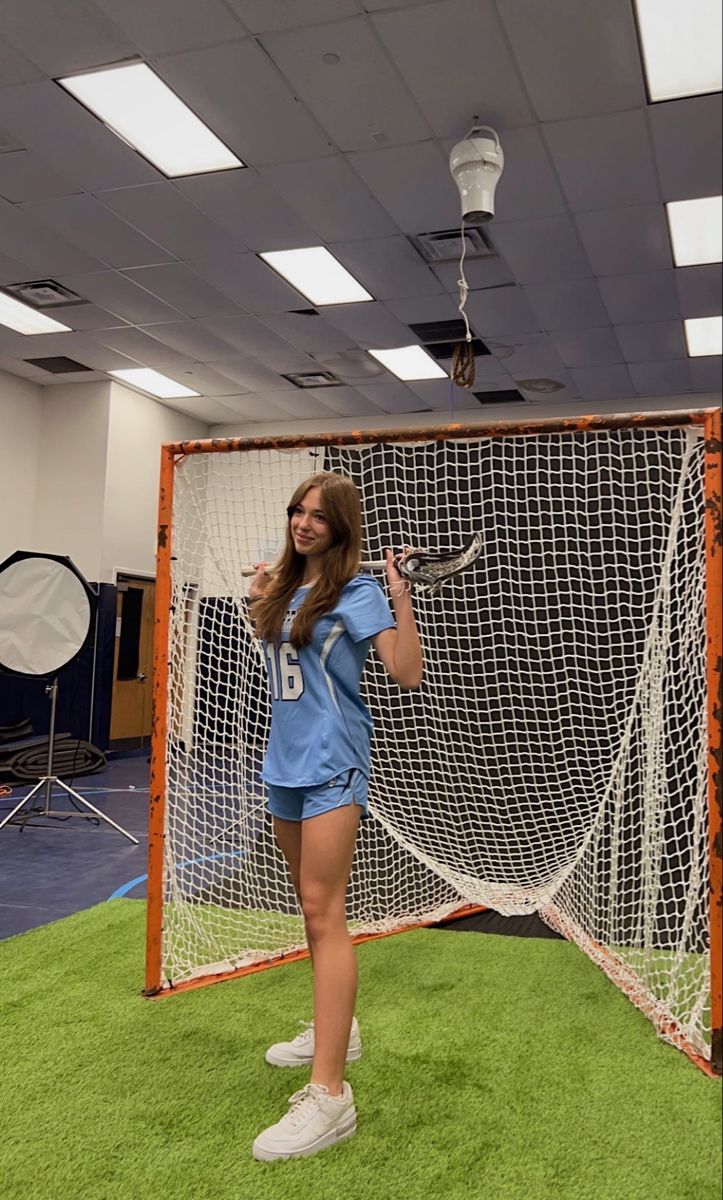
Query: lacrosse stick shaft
column 363, row 566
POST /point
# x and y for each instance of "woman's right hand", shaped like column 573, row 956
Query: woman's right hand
column 259, row 583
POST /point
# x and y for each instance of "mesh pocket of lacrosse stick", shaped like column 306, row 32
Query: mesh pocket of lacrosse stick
column 431, row 571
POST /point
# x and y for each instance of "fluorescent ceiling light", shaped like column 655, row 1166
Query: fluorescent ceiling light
column 152, row 382
column 696, row 230
column 138, row 106
column 409, row 362
column 704, row 336
column 681, row 45
column 23, row 319
column 317, row 275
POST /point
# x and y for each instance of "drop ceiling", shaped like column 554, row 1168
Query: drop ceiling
column 344, row 112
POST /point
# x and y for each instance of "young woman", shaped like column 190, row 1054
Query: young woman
column 317, row 618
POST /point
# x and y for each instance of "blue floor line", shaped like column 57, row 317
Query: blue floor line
column 191, row 862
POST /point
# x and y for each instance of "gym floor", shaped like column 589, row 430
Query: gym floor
column 52, row 868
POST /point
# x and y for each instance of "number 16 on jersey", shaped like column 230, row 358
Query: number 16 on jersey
column 285, row 675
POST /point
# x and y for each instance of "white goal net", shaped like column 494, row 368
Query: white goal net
column 554, row 759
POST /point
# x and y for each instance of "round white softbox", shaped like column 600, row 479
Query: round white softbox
column 46, row 608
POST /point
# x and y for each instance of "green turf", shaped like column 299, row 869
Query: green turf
column 493, row 1068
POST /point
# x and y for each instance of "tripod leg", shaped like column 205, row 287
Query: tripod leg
column 24, row 801
column 98, row 813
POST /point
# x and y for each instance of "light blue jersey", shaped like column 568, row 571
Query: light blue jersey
column 319, row 724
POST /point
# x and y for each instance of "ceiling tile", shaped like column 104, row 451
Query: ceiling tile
column 413, row 183
column 346, row 401
column 136, row 344
column 645, row 343
column 369, row 325
column 587, row 347
column 51, row 123
column 205, row 409
column 12, row 271
column 237, row 91
column 603, row 382
column 166, row 216
column 244, row 204
column 661, row 378
column 41, row 249
column 300, row 405
column 624, row 241
column 390, row 268
column 705, row 373
column 528, row 187
column 120, row 296
column 248, row 335
column 501, row 311
column 23, row 176
column 249, row 282
column 168, row 26
column 330, row 197
column 311, row 334
column 534, row 362
column 178, row 286
column 86, row 223
column 699, row 289
column 687, row 136
column 574, row 304
column 251, row 375
column 190, row 339
column 632, row 298
column 378, row 5
column 202, row 378
column 63, row 36
column 480, row 273
column 89, row 317
column 604, row 162
column 15, row 68
column 576, row 59
column 393, row 397
column 544, row 250
column 258, row 408
column 360, row 96
column 261, row 16
column 485, row 78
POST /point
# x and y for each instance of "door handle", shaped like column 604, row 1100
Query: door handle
column 141, row 677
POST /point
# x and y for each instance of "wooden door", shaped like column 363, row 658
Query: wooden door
column 133, row 662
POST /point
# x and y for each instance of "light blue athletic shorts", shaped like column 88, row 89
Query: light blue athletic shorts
column 298, row 804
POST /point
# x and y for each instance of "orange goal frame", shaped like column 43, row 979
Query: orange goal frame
column 172, row 453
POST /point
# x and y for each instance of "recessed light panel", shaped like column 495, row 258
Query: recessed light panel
column 695, row 230
column 681, row 47
column 409, row 362
column 315, row 273
column 22, row 319
column 138, row 106
column 152, row 382
column 704, row 336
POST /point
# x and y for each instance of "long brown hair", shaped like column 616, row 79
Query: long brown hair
column 342, row 509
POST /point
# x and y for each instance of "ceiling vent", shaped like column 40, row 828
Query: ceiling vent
column 313, row 379
column 501, row 396
column 441, row 337
column 58, row 365
column 44, row 293
column 445, row 245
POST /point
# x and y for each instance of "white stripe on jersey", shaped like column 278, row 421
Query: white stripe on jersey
column 331, row 639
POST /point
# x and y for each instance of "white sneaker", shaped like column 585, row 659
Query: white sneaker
column 314, row 1121
column 300, row 1052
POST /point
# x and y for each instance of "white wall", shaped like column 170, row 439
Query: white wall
column 71, row 474
column 21, row 407
column 137, row 429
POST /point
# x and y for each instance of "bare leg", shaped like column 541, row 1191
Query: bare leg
column 288, row 836
column 327, row 852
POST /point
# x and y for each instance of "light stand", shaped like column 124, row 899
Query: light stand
column 45, row 618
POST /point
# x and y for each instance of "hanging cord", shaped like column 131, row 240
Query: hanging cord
column 463, row 355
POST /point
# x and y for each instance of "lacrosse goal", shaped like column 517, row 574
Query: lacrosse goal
column 563, row 753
